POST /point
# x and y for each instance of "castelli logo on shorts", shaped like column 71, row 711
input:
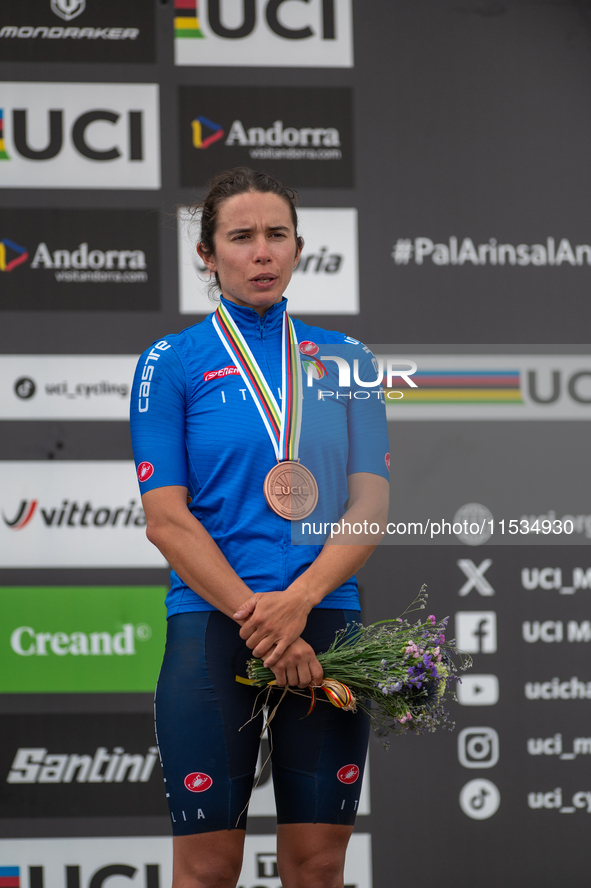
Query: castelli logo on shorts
column 197, row 782
column 348, row 773
column 387, row 458
column 145, row 470
column 309, row 348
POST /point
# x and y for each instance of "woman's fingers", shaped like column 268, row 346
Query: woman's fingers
column 298, row 666
column 246, row 609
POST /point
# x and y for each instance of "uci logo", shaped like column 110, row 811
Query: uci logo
column 83, row 143
column 270, row 12
column 284, row 33
column 79, row 135
column 549, row 390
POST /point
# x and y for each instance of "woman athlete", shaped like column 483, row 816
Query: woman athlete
column 239, row 434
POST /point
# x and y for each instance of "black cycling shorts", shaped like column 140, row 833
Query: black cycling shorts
column 209, row 763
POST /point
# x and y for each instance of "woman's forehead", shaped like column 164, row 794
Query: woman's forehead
column 254, row 208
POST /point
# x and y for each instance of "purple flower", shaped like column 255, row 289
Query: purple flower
column 431, row 619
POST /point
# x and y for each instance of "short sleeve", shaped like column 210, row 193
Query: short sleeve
column 368, row 429
column 157, row 416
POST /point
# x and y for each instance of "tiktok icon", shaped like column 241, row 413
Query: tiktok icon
column 480, row 799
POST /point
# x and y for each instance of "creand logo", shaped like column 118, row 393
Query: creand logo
column 68, row 9
column 79, row 135
column 26, row 642
column 263, row 32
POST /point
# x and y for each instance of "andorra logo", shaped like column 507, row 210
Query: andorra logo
column 68, row 9
column 21, row 255
column 197, row 126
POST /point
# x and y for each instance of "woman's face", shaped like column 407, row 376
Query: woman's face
column 255, row 249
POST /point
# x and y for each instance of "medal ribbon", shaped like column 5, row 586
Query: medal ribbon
column 283, row 423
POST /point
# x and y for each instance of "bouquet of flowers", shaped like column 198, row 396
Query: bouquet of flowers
column 396, row 671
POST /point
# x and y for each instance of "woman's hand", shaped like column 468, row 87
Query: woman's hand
column 298, row 666
column 272, row 621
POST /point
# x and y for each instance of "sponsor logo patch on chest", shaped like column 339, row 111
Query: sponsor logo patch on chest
column 231, row 370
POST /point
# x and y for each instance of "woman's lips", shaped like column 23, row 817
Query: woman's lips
column 264, row 281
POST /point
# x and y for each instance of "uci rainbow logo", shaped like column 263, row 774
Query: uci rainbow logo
column 186, row 19
column 3, row 153
column 198, row 140
column 21, row 255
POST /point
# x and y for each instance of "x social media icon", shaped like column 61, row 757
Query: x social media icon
column 476, row 579
column 478, row 690
column 476, row 631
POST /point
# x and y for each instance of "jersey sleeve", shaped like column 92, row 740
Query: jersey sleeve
column 369, row 449
column 157, row 416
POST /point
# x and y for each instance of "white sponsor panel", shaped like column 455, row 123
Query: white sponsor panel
column 66, row 386
column 489, row 386
column 326, row 280
column 314, row 34
column 262, row 803
column 80, row 135
column 73, row 514
column 146, row 862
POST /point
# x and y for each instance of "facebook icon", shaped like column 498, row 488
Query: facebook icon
column 476, row 632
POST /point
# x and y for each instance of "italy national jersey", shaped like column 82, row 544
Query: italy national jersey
column 194, row 424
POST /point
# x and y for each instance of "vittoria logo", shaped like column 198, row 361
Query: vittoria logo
column 198, row 782
column 68, row 9
column 73, row 513
column 308, row 348
column 325, row 280
column 231, row 370
column 24, row 514
column 348, row 773
column 145, row 470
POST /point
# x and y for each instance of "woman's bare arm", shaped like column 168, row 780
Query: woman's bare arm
column 198, row 560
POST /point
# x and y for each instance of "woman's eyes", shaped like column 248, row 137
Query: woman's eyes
column 274, row 235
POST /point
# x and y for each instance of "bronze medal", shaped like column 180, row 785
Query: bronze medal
column 291, row 490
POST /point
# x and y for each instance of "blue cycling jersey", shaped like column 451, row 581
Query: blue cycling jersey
column 195, row 424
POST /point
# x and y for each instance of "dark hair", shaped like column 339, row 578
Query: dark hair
column 240, row 180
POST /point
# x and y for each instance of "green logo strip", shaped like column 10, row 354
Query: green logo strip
column 81, row 638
